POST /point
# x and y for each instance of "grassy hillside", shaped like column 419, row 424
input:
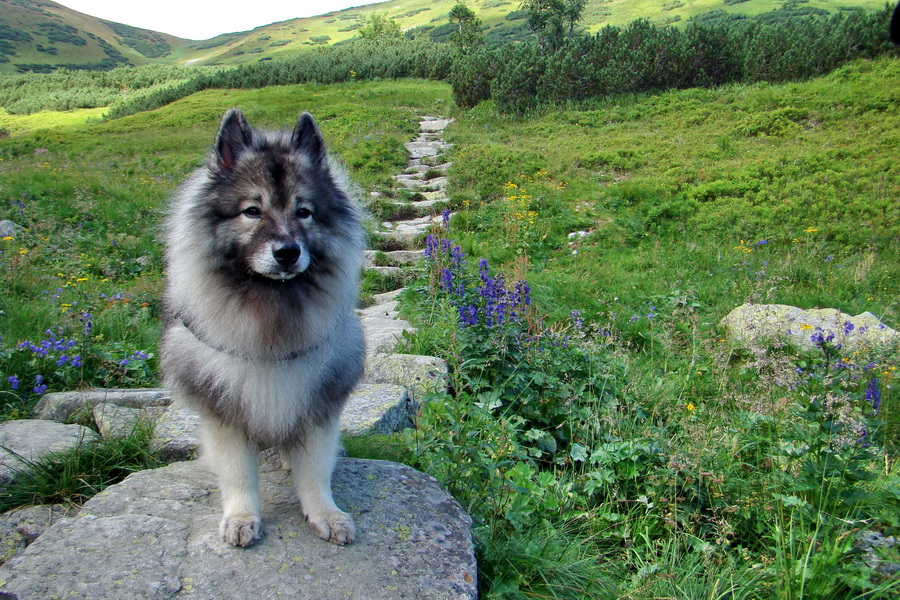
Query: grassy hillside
column 610, row 442
column 41, row 35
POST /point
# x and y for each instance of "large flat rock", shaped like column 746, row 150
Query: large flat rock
column 155, row 537
column 753, row 323
column 32, row 439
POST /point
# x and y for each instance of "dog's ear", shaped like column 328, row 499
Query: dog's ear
column 234, row 138
column 307, row 139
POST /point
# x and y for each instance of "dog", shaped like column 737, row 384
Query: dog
column 264, row 248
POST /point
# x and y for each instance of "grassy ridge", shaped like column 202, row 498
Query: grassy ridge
column 82, row 41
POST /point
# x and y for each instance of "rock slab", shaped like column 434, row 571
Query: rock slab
column 751, row 323
column 31, row 439
column 155, row 537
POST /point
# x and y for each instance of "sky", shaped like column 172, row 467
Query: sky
column 204, row 19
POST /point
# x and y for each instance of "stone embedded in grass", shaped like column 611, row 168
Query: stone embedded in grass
column 382, row 324
column 31, row 439
column 177, row 434
column 9, row 229
column 755, row 323
column 419, row 374
column 113, row 420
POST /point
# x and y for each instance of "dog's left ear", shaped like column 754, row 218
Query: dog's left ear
column 307, row 139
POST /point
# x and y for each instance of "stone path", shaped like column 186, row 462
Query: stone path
column 155, row 536
column 426, row 178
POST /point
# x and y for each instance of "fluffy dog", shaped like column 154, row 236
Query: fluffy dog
column 264, row 251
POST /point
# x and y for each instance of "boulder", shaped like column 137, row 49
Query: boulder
column 155, row 537
column 377, row 408
column 177, row 433
column 9, row 229
column 419, row 374
column 66, row 406
column 113, row 420
column 32, row 439
column 753, row 323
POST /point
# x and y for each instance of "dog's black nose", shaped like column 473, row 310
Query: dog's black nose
column 286, row 255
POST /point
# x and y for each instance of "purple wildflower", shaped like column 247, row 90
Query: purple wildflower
column 445, row 218
column 76, row 361
column 577, row 321
column 873, row 395
column 40, row 387
column 13, row 382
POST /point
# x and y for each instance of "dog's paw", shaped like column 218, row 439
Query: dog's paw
column 240, row 530
column 335, row 527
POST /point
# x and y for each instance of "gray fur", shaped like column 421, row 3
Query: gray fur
column 264, row 251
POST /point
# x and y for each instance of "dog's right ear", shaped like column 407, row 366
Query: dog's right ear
column 234, row 138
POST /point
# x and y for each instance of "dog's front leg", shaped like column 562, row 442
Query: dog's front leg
column 234, row 459
column 312, row 463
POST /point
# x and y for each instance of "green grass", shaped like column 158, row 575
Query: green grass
column 91, row 197
column 698, row 469
column 74, row 476
column 635, row 455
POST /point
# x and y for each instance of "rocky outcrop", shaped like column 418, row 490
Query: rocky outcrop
column 155, row 537
column 754, row 323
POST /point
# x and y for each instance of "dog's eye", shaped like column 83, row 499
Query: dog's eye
column 252, row 212
column 303, row 213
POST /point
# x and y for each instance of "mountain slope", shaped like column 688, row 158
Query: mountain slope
column 41, row 35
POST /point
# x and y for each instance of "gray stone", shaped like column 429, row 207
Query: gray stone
column 20, row 527
column 419, row 374
column 409, row 230
column 10, row 229
column 155, row 536
column 377, row 408
column 422, row 149
column 382, row 325
column 32, row 439
column 177, row 433
column 113, row 420
column 752, row 323
column 434, row 124
column 66, row 406
column 397, row 257
column 410, row 181
column 387, row 271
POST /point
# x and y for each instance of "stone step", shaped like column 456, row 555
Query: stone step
column 434, row 124
column 426, row 148
column 382, row 324
column 399, row 257
column 407, row 231
column 156, row 535
column 386, row 271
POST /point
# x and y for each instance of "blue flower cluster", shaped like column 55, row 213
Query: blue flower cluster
column 492, row 303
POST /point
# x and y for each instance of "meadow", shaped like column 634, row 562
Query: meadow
column 607, row 438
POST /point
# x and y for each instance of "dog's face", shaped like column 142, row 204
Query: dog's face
column 274, row 198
